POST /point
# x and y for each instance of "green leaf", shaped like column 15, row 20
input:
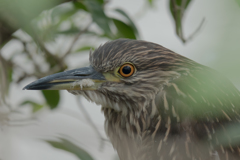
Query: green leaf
column 52, row 97
column 101, row 1
column 130, row 22
column 73, row 30
column 66, row 9
column 125, row 30
column 20, row 12
column 150, row 2
column 84, row 48
column 72, row 148
column 35, row 106
column 80, row 5
column 63, row 12
column 178, row 8
column 238, row 2
column 98, row 15
column 6, row 72
column 10, row 72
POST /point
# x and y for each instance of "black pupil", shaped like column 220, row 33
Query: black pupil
column 126, row 69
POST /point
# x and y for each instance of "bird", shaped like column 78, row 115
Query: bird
column 158, row 105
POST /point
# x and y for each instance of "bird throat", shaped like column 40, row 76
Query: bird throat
column 131, row 134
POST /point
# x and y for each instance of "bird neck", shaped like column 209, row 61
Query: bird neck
column 131, row 133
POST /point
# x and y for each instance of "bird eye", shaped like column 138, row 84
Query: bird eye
column 126, row 70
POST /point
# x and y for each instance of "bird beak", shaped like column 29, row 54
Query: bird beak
column 86, row 78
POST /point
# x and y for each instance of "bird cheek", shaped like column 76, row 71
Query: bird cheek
column 111, row 77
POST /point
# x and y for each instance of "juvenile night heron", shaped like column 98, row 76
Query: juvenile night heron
column 158, row 104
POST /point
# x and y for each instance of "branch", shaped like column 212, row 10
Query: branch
column 58, row 60
column 38, row 73
column 178, row 20
column 75, row 40
column 30, row 56
column 178, row 13
column 196, row 31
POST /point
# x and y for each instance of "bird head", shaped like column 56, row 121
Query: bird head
column 128, row 75
column 121, row 73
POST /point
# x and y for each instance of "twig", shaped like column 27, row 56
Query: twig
column 38, row 72
column 89, row 120
column 196, row 31
column 141, row 11
column 58, row 60
column 178, row 21
column 183, row 6
column 25, row 74
column 75, row 40
column 6, row 121
column 30, row 56
column 4, row 84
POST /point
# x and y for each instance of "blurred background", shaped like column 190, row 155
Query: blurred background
column 38, row 38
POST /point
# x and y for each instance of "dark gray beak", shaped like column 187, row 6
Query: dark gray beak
column 86, row 78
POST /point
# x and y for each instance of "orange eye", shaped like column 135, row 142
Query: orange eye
column 126, row 70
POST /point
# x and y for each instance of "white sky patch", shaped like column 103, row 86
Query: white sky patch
column 83, row 83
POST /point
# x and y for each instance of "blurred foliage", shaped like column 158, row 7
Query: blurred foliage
column 16, row 14
column 238, row 1
column 229, row 135
column 52, row 97
column 72, row 148
column 150, row 2
column 35, row 106
column 6, row 72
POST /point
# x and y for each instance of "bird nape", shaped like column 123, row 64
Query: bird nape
column 158, row 104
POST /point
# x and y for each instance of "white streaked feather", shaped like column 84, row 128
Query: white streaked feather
column 83, row 83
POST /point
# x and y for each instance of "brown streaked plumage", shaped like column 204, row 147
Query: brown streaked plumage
column 171, row 108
